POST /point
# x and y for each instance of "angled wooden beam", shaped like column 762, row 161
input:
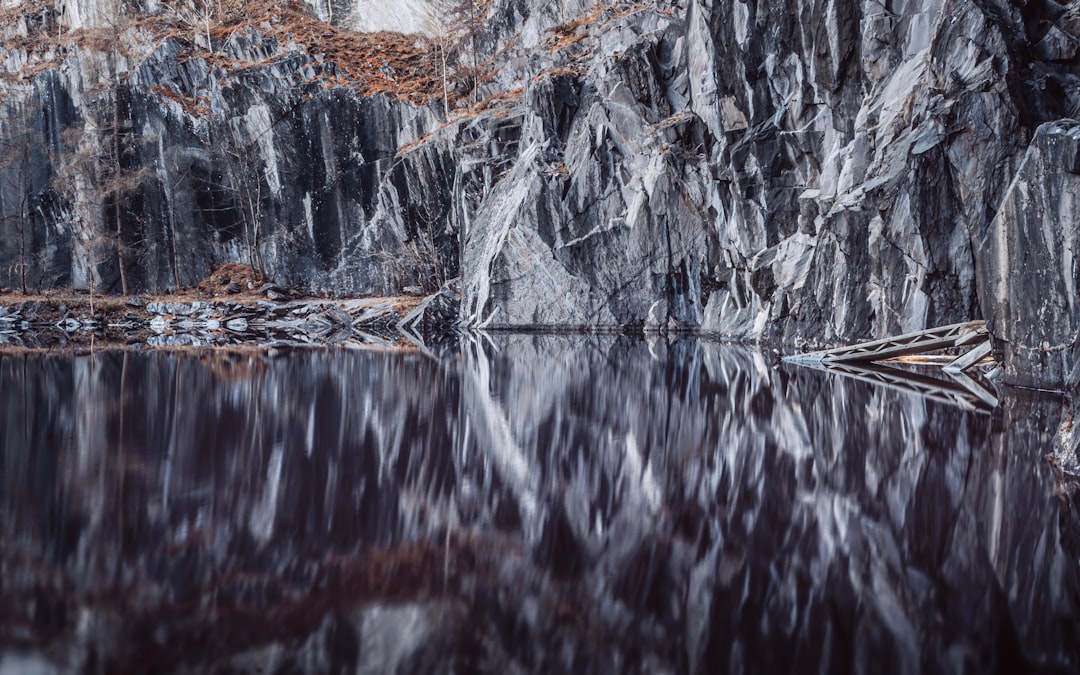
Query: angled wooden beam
column 978, row 390
column 919, row 342
column 909, row 344
column 973, row 356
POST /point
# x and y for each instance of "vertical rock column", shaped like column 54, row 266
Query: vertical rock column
column 1029, row 259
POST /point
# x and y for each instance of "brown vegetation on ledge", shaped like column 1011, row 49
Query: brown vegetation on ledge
column 392, row 64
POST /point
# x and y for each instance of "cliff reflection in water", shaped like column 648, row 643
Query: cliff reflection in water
column 523, row 504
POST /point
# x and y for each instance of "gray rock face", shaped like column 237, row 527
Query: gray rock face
column 795, row 171
column 1031, row 294
column 813, row 174
column 183, row 165
column 402, row 16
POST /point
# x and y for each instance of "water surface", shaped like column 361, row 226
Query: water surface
column 522, row 504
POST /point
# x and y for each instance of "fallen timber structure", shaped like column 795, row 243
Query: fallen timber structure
column 872, row 362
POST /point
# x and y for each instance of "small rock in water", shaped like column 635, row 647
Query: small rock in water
column 175, row 341
column 175, row 308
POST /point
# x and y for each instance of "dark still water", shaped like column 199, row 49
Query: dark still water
column 522, row 504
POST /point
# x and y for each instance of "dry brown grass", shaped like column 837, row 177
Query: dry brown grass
column 193, row 106
column 599, row 15
column 500, row 101
column 392, row 64
column 400, row 66
column 575, row 30
column 500, row 104
column 217, row 283
column 571, row 70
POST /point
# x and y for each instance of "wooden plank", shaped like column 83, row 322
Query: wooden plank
column 936, row 360
column 979, row 391
column 973, row 356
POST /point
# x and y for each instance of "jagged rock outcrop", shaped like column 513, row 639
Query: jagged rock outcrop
column 780, row 171
column 1031, row 296
column 807, row 172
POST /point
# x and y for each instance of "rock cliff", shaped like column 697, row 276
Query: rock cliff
column 161, row 156
column 1029, row 252
column 805, row 171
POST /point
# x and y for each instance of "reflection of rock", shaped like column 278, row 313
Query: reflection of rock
column 434, row 319
column 223, row 323
column 527, row 503
column 1067, row 443
column 1030, row 573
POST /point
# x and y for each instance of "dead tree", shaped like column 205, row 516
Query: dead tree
column 455, row 28
column 15, row 211
column 97, row 170
column 244, row 178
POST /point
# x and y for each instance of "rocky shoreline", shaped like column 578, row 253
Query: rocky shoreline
column 71, row 320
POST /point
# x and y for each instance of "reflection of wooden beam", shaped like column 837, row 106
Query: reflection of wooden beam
column 961, row 390
column 973, row 386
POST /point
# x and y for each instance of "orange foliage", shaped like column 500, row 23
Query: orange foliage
column 240, row 274
column 598, row 16
column 396, row 65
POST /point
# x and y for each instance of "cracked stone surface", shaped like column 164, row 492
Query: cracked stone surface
column 1029, row 253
